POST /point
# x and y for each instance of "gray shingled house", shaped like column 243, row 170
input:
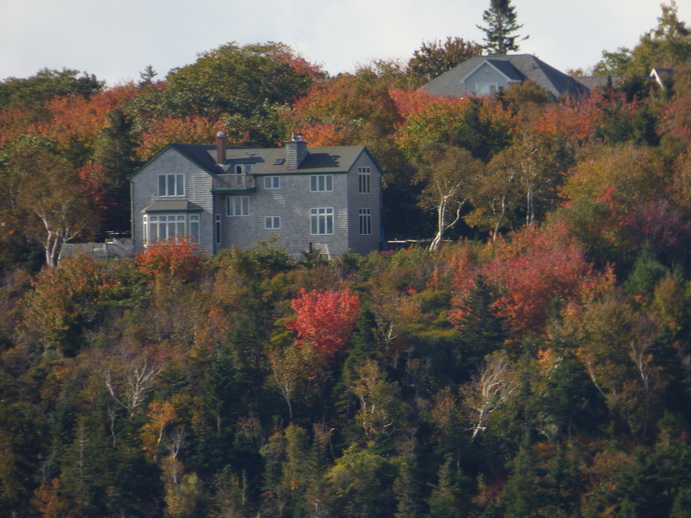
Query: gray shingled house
column 327, row 198
column 484, row 75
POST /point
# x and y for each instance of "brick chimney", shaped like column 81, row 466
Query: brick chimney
column 296, row 151
column 220, row 147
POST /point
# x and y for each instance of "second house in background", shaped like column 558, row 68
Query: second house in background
column 327, row 198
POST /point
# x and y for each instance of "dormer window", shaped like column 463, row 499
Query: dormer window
column 242, row 168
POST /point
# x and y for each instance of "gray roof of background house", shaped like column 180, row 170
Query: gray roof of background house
column 516, row 67
column 592, row 82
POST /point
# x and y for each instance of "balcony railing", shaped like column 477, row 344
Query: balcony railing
column 234, row 182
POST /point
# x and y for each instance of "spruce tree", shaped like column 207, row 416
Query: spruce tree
column 501, row 25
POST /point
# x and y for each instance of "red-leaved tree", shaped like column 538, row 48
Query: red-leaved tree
column 324, row 319
column 533, row 270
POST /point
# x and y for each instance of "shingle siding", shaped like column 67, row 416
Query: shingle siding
column 363, row 244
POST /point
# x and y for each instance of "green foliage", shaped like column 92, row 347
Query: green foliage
column 237, row 79
column 361, row 480
column 44, row 86
column 449, row 497
column 45, row 200
column 666, row 45
column 434, row 58
column 114, row 151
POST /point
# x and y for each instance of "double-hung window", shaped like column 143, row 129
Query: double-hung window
column 272, row 222
column 322, row 183
column 171, row 184
column 322, row 221
column 238, row 206
column 364, row 180
column 365, row 220
column 272, row 182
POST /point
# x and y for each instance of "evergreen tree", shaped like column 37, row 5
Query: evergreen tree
column 407, row 491
column 114, row 151
column 501, row 25
column 521, row 497
column 450, row 496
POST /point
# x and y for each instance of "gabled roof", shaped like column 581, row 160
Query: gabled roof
column 267, row 161
column 516, row 67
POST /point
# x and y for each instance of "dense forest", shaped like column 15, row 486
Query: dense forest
column 533, row 358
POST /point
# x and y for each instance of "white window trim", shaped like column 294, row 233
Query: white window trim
column 272, row 182
column 365, row 221
column 322, row 218
column 364, row 180
column 316, row 180
column 231, row 204
column 272, row 222
column 176, row 183
column 174, row 225
column 485, row 87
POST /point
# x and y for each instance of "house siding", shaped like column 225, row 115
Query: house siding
column 197, row 189
column 291, row 202
column 363, row 244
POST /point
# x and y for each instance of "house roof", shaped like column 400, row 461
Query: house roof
column 269, row 161
column 592, row 82
column 516, row 67
column 171, row 206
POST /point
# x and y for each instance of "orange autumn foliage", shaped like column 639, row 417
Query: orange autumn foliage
column 537, row 268
column 324, row 319
column 180, row 258
column 194, row 129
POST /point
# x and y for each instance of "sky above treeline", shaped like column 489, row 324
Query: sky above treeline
column 117, row 40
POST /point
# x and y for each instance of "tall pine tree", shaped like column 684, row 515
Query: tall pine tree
column 501, row 25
